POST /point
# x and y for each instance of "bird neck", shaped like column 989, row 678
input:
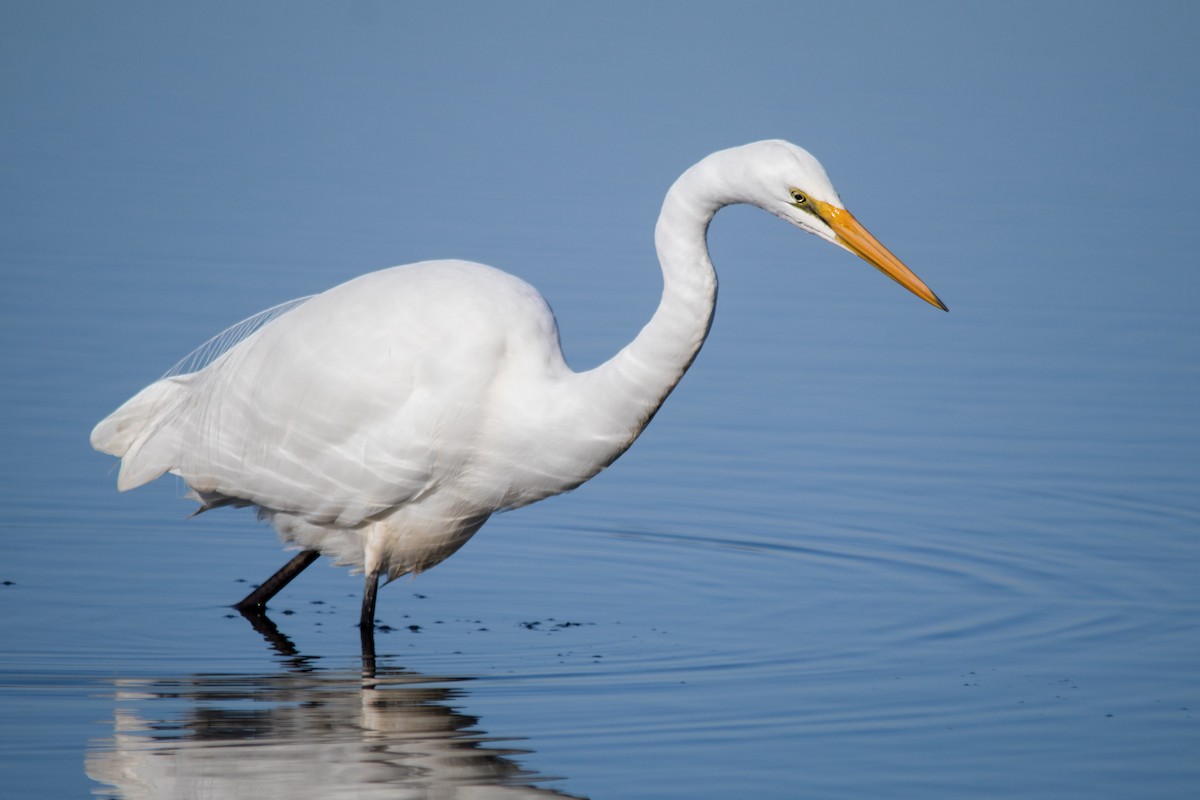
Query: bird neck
column 632, row 385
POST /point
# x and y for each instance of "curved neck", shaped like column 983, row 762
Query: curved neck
column 628, row 389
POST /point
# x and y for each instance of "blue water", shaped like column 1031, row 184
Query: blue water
column 866, row 550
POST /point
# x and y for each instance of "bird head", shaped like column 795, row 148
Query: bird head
column 789, row 182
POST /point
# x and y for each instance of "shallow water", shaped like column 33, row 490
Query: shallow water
column 744, row 605
column 866, row 550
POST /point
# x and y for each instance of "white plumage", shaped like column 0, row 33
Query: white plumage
column 383, row 421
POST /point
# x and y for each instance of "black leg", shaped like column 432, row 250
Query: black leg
column 370, row 588
column 256, row 601
column 367, row 635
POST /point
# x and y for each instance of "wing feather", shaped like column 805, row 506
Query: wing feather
column 337, row 407
column 229, row 338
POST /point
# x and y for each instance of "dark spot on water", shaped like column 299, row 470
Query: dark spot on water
column 415, row 628
column 558, row 626
column 288, row 612
column 10, row 583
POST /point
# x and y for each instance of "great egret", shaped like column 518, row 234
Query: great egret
column 383, row 421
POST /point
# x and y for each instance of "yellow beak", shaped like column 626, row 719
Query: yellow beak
column 858, row 240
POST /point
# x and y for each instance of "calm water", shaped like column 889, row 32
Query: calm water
column 866, row 550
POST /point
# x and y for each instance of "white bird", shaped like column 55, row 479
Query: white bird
column 383, row 421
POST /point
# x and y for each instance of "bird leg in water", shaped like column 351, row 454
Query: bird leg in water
column 256, row 601
column 367, row 636
column 370, row 588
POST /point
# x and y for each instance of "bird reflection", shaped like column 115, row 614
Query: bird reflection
column 282, row 645
column 303, row 732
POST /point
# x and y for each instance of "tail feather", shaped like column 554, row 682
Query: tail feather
column 126, row 432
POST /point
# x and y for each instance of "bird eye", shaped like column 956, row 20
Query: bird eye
column 799, row 197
